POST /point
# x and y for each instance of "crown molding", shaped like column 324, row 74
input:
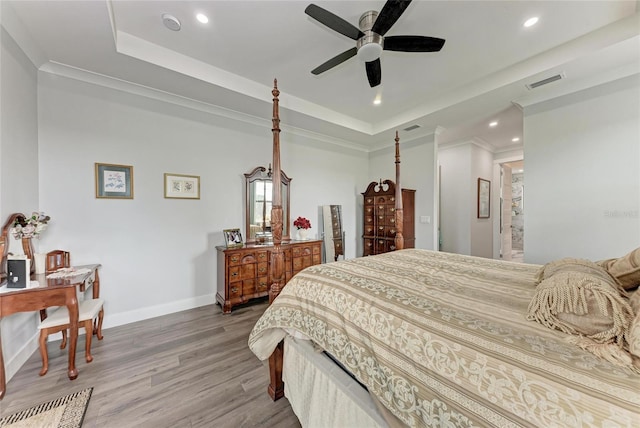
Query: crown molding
column 325, row 142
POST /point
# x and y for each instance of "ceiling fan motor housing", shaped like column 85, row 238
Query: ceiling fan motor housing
column 370, row 45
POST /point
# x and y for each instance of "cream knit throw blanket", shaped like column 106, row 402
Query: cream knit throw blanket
column 581, row 299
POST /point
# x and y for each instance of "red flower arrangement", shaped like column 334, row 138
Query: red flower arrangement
column 302, row 223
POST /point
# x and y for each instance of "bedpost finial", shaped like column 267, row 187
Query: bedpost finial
column 275, row 92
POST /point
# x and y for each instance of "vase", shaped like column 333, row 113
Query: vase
column 302, row 234
column 27, row 246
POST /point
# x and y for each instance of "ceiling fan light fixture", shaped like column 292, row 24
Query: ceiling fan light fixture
column 369, row 52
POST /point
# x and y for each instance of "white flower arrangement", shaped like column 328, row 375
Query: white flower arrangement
column 30, row 227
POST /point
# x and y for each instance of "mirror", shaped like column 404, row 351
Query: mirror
column 259, row 192
column 333, row 234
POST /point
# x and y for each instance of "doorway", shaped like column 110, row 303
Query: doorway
column 512, row 211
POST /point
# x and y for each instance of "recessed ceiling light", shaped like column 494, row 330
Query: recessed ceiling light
column 201, row 17
column 377, row 102
column 531, row 22
column 493, row 124
column 515, row 139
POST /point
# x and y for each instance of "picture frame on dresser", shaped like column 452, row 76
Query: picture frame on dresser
column 181, row 186
column 114, row 181
column 484, row 198
column 232, row 238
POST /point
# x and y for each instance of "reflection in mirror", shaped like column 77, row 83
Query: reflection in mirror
column 259, row 193
column 333, row 233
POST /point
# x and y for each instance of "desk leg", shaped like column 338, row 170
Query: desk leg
column 3, row 384
column 96, row 295
column 72, row 305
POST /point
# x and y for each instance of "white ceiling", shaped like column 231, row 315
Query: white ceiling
column 231, row 61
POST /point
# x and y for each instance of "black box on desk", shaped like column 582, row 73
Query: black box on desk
column 18, row 273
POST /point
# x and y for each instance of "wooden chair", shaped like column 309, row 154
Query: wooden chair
column 58, row 321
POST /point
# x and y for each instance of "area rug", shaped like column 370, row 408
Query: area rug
column 64, row 412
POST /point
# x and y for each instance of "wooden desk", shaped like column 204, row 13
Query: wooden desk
column 50, row 292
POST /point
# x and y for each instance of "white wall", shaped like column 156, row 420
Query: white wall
column 461, row 229
column 455, row 198
column 417, row 171
column 18, row 178
column 582, row 154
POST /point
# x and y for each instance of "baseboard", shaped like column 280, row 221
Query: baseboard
column 122, row 318
column 12, row 365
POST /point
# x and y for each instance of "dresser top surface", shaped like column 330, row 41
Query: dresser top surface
column 267, row 246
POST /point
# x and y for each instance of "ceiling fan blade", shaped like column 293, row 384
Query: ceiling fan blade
column 389, row 14
column 334, row 22
column 338, row 59
column 374, row 72
column 413, row 44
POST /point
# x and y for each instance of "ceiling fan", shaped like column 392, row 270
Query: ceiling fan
column 370, row 40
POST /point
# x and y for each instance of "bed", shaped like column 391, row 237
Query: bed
column 426, row 338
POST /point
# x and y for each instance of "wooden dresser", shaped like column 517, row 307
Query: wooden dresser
column 379, row 210
column 244, row 274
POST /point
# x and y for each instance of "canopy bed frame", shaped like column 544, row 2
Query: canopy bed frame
column 276, row 385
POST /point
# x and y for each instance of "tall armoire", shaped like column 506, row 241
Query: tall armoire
column 379, row 229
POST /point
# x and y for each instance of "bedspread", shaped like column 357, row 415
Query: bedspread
column 441, row 340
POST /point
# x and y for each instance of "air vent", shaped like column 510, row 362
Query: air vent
column 411, row 128
column 545, row 81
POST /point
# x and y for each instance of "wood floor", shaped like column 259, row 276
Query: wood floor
column 188, row 369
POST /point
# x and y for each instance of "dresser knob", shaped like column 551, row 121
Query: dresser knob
column 234, row 274
column 234, row 289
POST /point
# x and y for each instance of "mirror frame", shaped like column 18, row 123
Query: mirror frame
column 261, row 173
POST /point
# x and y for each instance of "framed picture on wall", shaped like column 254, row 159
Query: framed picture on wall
column 232, row 238
column 114, row 181
column 179, row 186
column 484, row 198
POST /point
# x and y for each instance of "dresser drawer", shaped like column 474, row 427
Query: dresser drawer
column 263, row 284
column 242, row 272
column 235, row 290
column 381, row 200
column 263, row 269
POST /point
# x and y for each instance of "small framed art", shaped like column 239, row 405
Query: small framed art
column 179, row 186
column 114, row 181
column 232, row 238
column 484, row 198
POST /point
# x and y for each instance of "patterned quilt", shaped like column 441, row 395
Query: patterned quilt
column 441, row 340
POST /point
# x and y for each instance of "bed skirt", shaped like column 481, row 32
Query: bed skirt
column 321, row 394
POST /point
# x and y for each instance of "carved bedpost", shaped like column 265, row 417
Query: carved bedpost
column 399, row 240
column 276, row 385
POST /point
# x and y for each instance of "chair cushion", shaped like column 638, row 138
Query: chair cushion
column 87, row 310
